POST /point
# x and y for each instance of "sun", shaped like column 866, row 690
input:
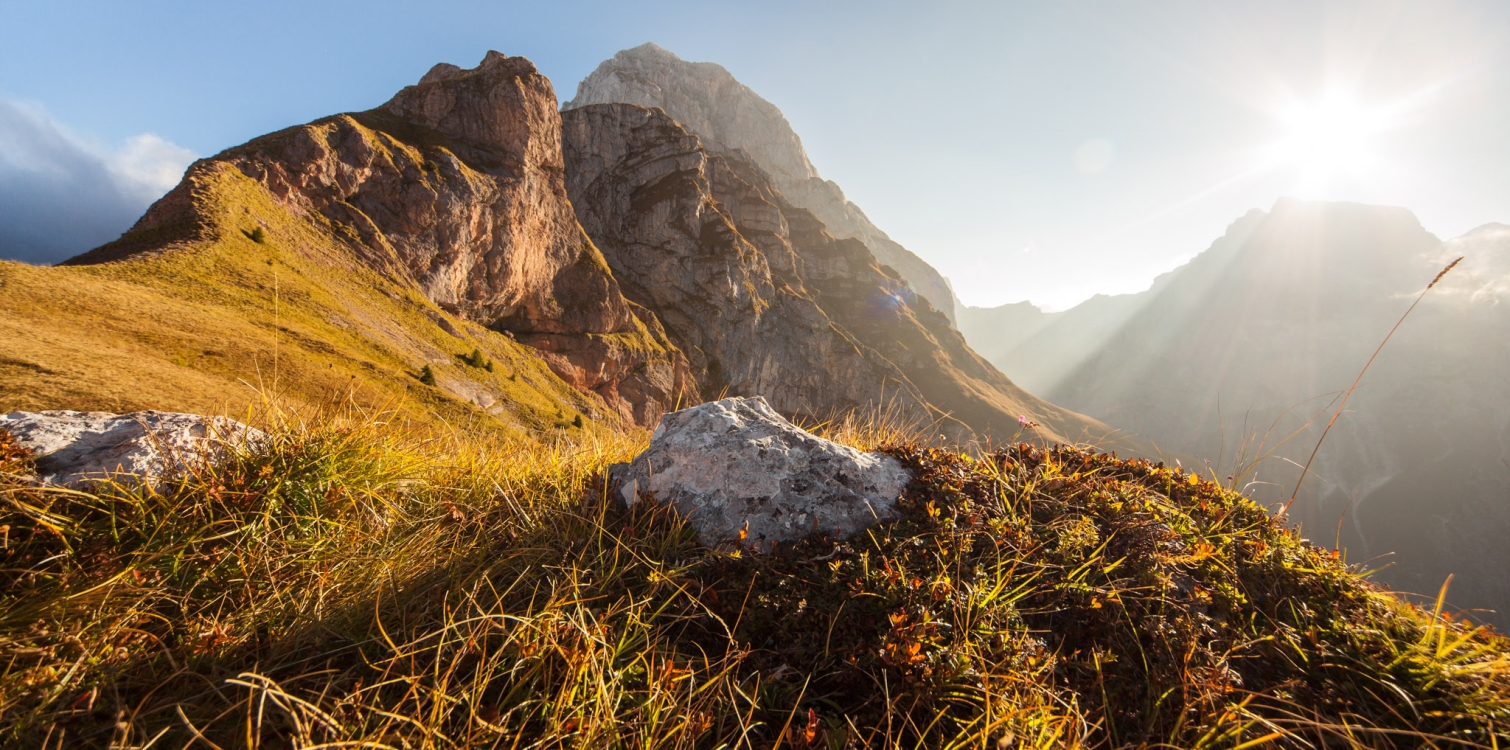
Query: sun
column 1330, row 138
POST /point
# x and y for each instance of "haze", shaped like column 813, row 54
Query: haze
column 1032, row 151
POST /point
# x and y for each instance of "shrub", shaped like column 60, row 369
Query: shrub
column 257, row 235
column 477, row 359
column 427, row 375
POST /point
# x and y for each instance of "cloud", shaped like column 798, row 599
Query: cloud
column 61, row 195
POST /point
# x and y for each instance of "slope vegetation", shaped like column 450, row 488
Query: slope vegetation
column 351, row 585
column 214, row 321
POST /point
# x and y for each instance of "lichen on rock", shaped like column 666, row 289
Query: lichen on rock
column 740, row 473
column 80, row 449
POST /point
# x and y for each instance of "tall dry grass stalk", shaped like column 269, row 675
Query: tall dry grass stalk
column 1349, row 393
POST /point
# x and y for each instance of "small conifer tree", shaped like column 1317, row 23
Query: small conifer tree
column 257, row 235
column 427, row 375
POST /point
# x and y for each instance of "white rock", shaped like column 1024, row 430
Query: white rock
column 77, row 449
column 736, row 465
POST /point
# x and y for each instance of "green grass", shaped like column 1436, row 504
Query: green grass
column 365, row 581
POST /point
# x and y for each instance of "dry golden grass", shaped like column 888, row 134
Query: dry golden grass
column 218, row 322
column 365, row 582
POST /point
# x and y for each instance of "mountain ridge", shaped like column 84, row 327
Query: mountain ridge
column 457, row 188
column 727, row 114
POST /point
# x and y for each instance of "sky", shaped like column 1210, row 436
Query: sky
column 1042, row 151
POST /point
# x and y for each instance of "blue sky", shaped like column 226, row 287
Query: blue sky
column 1029, row 150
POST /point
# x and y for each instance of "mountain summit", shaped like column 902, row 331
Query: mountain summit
column 707, row 100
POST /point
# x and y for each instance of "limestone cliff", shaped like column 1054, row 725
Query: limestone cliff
column 457, row 185
column 727, row 115
column 761, row 297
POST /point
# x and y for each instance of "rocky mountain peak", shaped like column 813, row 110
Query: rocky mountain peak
column 708, row 101
column 502, row 104
column 457, row 186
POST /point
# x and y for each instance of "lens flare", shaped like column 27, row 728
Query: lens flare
column 1327, row 139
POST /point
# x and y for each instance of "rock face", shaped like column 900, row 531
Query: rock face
column 686, row 250
column 470, row 187
column 457, row 184
column 741, row 473
column 761, row 298
column 728, row 116
column 77, row 449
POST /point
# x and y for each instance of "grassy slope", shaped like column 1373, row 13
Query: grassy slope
column 357, row 585
column 197, row 326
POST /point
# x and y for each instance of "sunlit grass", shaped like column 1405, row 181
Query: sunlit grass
column 359, row 582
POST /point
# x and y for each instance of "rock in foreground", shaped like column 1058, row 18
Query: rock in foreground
column 741, row 473
column 77, row 448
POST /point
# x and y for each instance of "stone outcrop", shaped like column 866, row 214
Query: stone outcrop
column 740, row 473
column 79, row 449
column 457, row 185
column 761, row 298
column 729, row 116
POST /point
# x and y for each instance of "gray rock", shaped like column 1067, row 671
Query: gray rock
column 735, row 466
column 78, row 449
column 707, row 100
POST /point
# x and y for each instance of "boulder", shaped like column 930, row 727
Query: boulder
column 740, row 472
column 78, row 449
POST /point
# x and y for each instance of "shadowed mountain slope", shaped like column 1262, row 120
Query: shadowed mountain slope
column 1261, row 332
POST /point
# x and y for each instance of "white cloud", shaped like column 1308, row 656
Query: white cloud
column 149, row 165
column 61, row 194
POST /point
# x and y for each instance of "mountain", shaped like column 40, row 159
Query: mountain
column 1038, row 349
column 454, row 188
column 381, row 248
column 761, row 298
column 728, row 116
column 1260, row 333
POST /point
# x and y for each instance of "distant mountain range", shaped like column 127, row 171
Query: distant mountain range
column 1256, row 336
